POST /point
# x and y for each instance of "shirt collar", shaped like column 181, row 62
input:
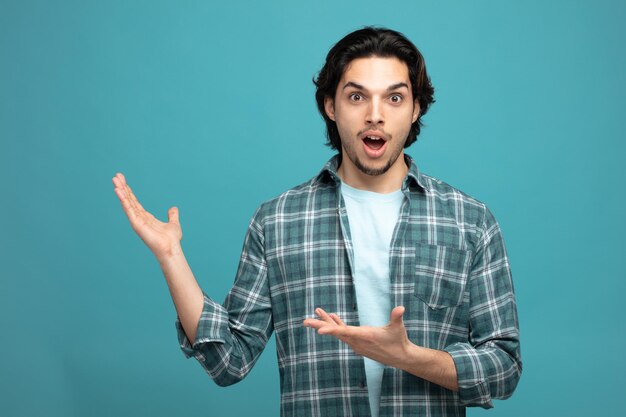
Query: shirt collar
column 414, row 176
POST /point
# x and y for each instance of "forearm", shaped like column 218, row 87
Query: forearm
column 230, row 336
column 432, row 365
column 184, row 289
column 390, row 345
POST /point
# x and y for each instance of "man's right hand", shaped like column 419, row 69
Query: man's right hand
column 163, row 239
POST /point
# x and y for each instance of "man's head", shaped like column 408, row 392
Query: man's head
column 367, row 43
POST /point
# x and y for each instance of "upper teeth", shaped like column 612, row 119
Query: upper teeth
column 373, row 137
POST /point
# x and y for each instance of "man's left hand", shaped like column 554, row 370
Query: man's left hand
column 388, row 344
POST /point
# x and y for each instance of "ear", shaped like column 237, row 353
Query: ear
column 329, row 107
column 416, row 110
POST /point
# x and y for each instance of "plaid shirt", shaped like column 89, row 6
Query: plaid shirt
column 448, row 267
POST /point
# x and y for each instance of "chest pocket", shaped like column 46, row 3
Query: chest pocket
column 441, row 275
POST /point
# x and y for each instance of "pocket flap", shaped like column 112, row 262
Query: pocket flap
column 441, row 274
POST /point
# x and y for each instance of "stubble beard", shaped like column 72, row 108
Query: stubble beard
column 370, row 170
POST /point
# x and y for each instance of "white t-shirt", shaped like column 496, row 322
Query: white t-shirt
column 372, row 218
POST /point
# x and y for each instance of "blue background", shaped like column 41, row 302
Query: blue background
column 209, row 106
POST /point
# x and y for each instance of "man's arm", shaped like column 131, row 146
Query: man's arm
column 390, row 345
column 231, row 337
column 489, row 364
column 485, row 367
column 163, row 239
column 226, row 339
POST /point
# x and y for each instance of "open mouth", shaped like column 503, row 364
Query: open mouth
column 373, row 142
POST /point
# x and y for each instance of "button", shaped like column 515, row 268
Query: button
column 361, row 384
column 353, row 306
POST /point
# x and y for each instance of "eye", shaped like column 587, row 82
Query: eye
column 356, row 97
column 396, row 98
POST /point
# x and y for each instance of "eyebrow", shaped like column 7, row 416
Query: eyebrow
column 360, row 87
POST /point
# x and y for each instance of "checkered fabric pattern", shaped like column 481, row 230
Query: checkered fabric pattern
column 448, row 267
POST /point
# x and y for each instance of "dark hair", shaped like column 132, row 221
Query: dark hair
column 366, row 42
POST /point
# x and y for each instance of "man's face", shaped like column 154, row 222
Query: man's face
column 373, row 108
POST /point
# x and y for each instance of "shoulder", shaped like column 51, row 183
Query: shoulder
column 444, row 191
column 451, row 201
column 309, row 196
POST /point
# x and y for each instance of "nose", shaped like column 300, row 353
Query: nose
column 375, row 112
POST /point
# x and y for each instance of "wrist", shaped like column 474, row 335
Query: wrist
column 171, row 255
column 413, row 356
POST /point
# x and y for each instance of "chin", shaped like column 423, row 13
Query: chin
column 373, row 170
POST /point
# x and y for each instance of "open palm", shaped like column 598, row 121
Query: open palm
column 162, row 238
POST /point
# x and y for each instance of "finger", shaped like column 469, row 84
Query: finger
column 336, row 319
column 125, row 187
column 330, row 330
column 135, row 211
column 117, row 181
column 172, row 215
column 121, row 193
column 396, row 316
column 342, row 333
column 315, row 323
column 134, row 199
column 130, row 200
column 130, row 213
column 324, row 315
column 325, row 328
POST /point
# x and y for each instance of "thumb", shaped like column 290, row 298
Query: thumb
column 396, row 316
column 172, row 215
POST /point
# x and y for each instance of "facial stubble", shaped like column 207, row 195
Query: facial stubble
column 349, row 150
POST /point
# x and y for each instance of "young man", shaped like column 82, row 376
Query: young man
column 389, row 291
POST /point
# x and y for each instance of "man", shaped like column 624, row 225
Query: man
column 369, row 239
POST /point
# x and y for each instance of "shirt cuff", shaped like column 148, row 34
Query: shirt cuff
column 213, row 319
column 473, row 389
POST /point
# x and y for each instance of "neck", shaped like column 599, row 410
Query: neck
column 385, row 183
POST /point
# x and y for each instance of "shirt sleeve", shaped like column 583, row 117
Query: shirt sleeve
column 231, row 337
column 489, row 365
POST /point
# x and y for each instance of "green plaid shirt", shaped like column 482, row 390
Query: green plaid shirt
column 448, row 267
